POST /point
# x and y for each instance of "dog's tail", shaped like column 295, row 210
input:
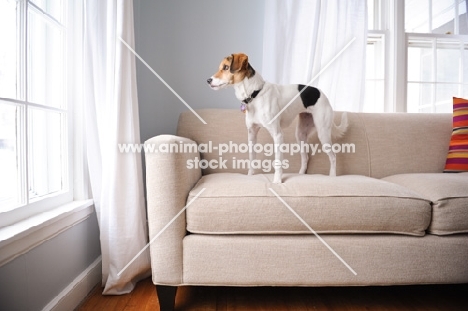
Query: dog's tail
column 339, row 130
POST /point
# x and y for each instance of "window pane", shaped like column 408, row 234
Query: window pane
column 417, row 16
column 370, row 61
column 420, row 61
column 46, row 152
column 462, row 18
column 435, row 16
column 375, row 68
column 412, row 101
column 448, row 64
column 465, row 91
column 465, row 65
column 375, row 60
column 437, row 71
column 45, row 62
column 52, row 7
column 374, row 101
column 444, row 95
column 443, row 15
column 10, row 183
column 419, row 97
column 370, row 15
column 8, row 48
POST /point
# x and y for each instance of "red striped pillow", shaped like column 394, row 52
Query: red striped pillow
column 457, row 158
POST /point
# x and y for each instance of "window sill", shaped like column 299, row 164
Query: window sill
column 21, row 237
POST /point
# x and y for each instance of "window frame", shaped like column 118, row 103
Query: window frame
column 29, row 208
column 28, row 230
column 379, row 40
column 389, row 18
column 436, row 43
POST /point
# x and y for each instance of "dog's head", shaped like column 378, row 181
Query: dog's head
column 233, row 69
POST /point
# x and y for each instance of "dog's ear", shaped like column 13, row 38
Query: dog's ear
column 239, row 62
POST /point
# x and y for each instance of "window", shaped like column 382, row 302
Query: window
column 35, row 113
column 375, row 73
column 436, row 16
column 437, row 54
column 375, row 60
column 421, row 60
column 437, row 71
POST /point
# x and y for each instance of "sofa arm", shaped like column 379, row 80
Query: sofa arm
column 168, row 182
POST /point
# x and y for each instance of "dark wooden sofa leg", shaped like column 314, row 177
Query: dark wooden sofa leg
column 166, row 296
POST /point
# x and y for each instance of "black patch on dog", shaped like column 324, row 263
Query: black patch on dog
column 309, row 96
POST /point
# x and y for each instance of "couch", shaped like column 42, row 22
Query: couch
column 389, row 217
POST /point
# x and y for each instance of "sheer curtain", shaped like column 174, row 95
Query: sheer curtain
column 111, row 117
column 302, row 36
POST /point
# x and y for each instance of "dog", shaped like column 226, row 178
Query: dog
column 263, row 102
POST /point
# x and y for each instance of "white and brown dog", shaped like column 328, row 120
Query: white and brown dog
column 263, row 101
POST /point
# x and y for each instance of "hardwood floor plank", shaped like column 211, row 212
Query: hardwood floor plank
column 144, row 298
column 197, row 298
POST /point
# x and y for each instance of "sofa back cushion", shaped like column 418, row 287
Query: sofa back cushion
column 407, row 143
column 375, row 145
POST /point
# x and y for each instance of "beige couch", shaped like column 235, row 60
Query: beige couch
column 390, row 217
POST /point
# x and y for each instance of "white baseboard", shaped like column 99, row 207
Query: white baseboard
column 72, row 295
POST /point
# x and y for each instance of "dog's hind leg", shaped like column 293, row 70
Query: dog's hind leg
column 324, row 136
column 305, row 128
column 323, row 124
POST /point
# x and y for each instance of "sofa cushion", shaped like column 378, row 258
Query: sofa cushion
column 401, row 143
column 449, row 196
column 235, row 203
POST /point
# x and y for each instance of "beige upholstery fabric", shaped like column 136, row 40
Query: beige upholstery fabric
column 401, row 143
column 355, row 163
column 168, row 183
column 449, row 194
column 305, row 261
column 237, row 203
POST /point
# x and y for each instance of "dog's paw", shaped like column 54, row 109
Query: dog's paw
column 277, row 179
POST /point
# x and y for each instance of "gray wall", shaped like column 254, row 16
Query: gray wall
column 184, row 41
column 33, row 279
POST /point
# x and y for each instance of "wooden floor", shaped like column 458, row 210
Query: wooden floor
column 426, row 297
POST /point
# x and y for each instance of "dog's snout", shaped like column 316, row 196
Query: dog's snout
column 209, row 80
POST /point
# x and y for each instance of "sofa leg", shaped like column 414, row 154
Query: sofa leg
column 166, row 296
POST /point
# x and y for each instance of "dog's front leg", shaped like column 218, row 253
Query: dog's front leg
column 252, row 130
column 277, row 135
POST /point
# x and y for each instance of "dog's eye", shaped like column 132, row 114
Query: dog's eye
column 226, row 67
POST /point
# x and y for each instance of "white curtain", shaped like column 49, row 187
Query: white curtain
column 111, row 117
column 302, row 36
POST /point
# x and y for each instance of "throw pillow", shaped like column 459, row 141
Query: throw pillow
column 457, row 157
